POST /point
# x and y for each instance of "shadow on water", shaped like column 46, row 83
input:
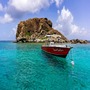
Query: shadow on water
column 55, row 61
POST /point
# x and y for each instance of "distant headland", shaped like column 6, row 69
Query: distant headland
column 36, row 30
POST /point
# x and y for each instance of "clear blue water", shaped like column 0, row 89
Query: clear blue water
column 26, row 67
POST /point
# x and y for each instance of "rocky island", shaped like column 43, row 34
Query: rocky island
column 36, row 29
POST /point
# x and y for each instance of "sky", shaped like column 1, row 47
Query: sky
column 70, row 17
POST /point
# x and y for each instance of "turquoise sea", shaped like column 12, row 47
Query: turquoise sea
column 26, row 67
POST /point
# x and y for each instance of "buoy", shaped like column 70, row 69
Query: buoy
column 72, row 62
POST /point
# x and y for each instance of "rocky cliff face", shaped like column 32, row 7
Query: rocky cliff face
column 36, row 28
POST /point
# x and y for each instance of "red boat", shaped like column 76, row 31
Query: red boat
column 58, row 50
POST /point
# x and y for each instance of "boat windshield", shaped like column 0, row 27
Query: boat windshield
column 51, row 43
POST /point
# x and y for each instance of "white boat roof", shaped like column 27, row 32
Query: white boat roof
column 52, row 44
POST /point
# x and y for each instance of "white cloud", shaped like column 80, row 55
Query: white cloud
column 66, row 25
column 18, row 8
column 1, row 7
column 29, row 5
column 7, row 18
column 58, row 2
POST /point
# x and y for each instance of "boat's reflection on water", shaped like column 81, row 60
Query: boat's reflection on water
column 55, row 61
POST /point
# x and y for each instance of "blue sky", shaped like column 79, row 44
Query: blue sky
column 70, row 17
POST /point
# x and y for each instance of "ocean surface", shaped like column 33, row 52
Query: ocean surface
column 27, row 67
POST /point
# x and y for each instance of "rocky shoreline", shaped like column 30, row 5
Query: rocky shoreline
column 75, row 41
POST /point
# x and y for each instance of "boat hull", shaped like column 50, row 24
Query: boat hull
column 57, row 51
